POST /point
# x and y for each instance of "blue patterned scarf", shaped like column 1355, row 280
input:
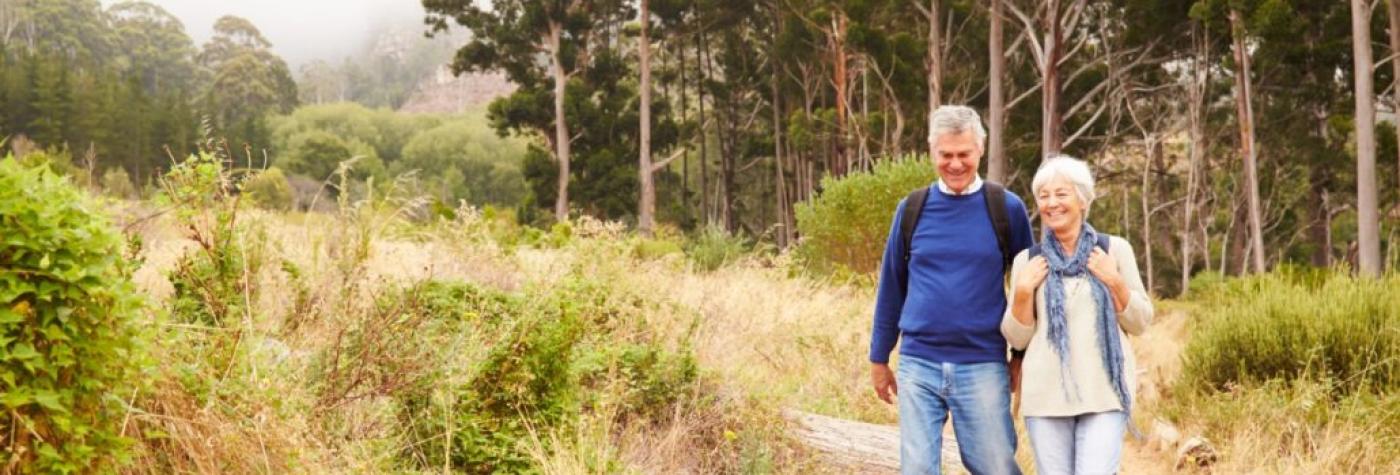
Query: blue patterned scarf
column 1107, row 319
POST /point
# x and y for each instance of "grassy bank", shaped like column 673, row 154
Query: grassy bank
column 1293, row 372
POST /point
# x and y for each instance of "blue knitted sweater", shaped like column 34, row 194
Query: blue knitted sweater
column 955, row 300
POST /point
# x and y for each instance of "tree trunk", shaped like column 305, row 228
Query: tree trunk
column 1394, row 11
column 702, row 46
column 779, row 183
column 1234, row 259
column 1051, row 139
column 1245, row 110
column 838, row 58
column 685, row 155
column 647, row 203
column 1367, row 210
column 561, row 128
column 996, row 104
column 1152, row 150
column 1196, row 108
column 935, row 67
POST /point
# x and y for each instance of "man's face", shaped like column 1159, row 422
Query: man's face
column 957, row 158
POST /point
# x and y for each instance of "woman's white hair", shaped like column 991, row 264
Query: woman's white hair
column 1072, row 169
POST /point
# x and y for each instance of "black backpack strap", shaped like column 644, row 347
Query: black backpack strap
column 1036, row 250
column 909, row 221
column 1001, row 225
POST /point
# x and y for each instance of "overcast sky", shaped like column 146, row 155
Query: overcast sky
column 300, row 30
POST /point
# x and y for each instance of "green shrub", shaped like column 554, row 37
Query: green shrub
column 68, row 347
column 1290, row 324
column 552, row 356
column 56, row 160
column 642, row 379
column 712, row 248
column 116, row 183
column 848, row 223
column 655, row 248
column 269, row 189
column 213, row 282
column 525, row 382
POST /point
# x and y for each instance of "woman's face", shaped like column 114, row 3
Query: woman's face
column 1059, row 205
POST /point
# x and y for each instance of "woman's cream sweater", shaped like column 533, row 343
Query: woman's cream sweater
column 1041, row 378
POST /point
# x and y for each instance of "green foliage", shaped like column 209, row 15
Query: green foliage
column 68, row 344
column 712, row 248
column 269, row 189
column 643, row 379
column 211, row 284
column 56, row 160
column 848, row 224
column 318, row 154
column 248, row 81
column 656, row 248
column 486, row 165
column 552, row 356
column 1297, row 324
column 115, row 182
column 448, row 158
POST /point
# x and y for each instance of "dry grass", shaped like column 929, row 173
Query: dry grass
column 764, row 341
column 263, row 417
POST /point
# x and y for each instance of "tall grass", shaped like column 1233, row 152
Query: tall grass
column 1294, row 372
column 378, row 340
column 1299, row 324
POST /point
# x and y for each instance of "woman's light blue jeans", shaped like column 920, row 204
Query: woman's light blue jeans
column 1087, row 444
column 979, row 399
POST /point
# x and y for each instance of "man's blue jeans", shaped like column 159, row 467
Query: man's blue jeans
column 979, row 397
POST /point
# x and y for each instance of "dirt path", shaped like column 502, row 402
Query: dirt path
column 859, row 447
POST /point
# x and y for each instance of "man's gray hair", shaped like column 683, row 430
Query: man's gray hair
column 1072, row 169
column 956, row 120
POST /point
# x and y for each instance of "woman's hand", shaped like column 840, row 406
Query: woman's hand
column 1031, row 278
column 1106, row 270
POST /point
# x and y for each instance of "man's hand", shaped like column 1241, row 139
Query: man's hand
column 883, row 379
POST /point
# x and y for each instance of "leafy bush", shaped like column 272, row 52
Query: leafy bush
column 211, row 284
column 468, row 161
column 68, row 347
column 269, row 189
column 1289, row 325
column 317, row 154
column 551, row 358
column 712, row 248
column 116, row 183
column 848, row 223
column 655, row 248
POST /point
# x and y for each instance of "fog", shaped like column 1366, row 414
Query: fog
column 301, row 30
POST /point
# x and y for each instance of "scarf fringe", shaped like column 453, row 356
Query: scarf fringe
column 1109, row 341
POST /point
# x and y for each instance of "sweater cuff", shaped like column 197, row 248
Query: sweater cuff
column 1017, row 334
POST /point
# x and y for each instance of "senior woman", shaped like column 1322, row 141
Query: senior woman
column 1073, row 297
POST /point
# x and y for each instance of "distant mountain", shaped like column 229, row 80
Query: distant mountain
column 444, row 93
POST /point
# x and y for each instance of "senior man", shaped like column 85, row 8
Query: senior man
column 942, row 296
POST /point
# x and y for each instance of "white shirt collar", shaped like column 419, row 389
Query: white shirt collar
column 973, row 188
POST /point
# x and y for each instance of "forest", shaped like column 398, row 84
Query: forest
column 752, row 104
